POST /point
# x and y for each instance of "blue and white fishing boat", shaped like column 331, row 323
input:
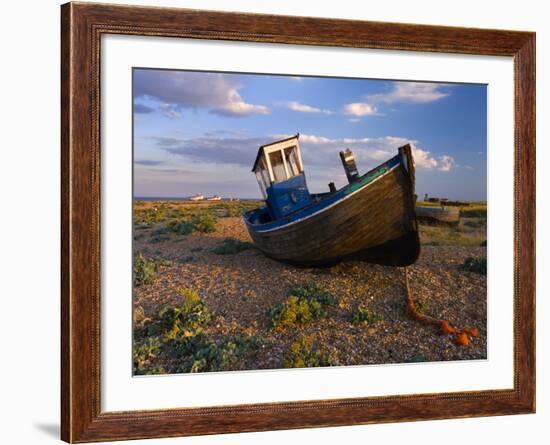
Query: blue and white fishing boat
column 372, row 218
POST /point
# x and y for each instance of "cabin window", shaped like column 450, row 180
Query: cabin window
column 278, row 166
column 291, row 158
column 265, row 174
column 262, row 176
column 261, row 183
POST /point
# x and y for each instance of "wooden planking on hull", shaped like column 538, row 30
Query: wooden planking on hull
column 374, row 215
column 399, row 252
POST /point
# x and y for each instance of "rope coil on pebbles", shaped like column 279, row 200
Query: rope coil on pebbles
column 461, row 336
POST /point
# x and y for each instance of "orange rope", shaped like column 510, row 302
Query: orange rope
column 461, row 336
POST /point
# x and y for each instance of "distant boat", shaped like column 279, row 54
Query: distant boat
column 197, row 197
column 445, row 215
column 371, row 219
column 214, row 198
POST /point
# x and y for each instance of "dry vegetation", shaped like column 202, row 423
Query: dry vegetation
column 206, row 299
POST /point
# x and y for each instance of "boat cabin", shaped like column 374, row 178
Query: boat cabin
column 280, row 175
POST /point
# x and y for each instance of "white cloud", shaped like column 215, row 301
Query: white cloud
column 380, row 154
column 217, row 93
column 410, row 92
column 360, row 109
column 142, row 109
column 170, row 111
column 303, row 108
column 355, row 140
column 446, row 163
column 312, row 139
column 423, row 158
column 295, row 78
column 235, row 106
column 401, row 92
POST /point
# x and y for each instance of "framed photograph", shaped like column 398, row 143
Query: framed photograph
column 275, row 222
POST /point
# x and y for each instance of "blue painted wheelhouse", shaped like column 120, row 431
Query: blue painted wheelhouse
column 280, row 174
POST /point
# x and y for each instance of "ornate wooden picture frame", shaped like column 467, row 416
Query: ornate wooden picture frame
column 82, row 26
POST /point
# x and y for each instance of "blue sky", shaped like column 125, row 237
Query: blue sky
column 198, row 132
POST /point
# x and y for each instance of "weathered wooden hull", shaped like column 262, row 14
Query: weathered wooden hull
column 374, row 222
column 438, row 215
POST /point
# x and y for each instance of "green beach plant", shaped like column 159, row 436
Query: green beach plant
column 474, row 212
column 477, row 265
column 144, row 352
column 314, row 292
column 205, row 222
column 201, row 353
column 292, row 311
column 159, row 235
column 180, row 226
column 144, row 270
column 303, row 305
column 232, row 246
column 187, row 320
column 362, row 316
column 304, row 353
